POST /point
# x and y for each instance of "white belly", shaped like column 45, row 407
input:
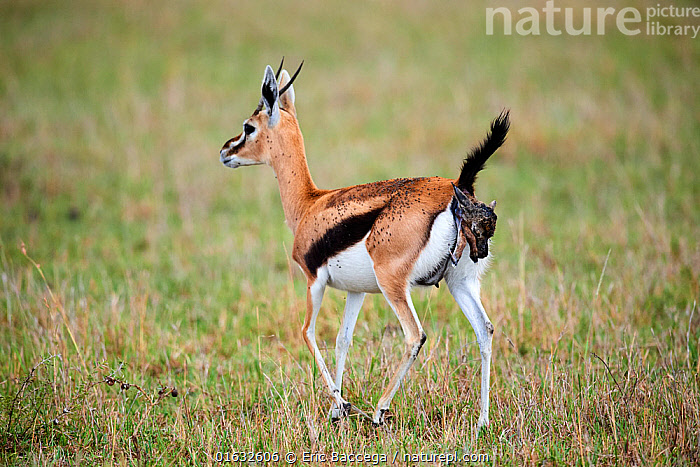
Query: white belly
column 352, row 270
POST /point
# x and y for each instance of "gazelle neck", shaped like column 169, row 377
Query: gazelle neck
column 297, row 189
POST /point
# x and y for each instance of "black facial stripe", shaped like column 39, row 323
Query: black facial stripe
column 338, row 238
column 240, row 137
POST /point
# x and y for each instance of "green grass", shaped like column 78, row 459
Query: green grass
column 159, row 269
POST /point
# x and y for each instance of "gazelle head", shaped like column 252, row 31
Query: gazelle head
column 265, row 130
column 479, row 219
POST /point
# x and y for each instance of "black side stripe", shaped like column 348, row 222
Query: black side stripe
column 339, row 238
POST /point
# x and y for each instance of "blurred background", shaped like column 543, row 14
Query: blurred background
column 112, row 115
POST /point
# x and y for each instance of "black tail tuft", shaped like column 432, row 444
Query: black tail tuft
column 479, row 155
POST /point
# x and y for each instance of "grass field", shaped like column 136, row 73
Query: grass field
column 136, row 268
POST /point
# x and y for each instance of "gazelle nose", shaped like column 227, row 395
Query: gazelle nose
column 223, row 154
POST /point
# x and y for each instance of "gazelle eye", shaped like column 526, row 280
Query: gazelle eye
column 248, row 129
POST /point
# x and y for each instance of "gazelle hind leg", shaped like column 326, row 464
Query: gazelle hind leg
column 314, row 297
column 466, row 293
column 414, row 337
column 353, row 304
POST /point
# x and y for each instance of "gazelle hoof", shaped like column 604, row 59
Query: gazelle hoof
column 337, row 413
column 482, row 424
column 378, row 419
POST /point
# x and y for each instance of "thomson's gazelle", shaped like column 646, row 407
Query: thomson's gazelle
column 383, row 237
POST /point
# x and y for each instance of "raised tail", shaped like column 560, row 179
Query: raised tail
column 478, row 156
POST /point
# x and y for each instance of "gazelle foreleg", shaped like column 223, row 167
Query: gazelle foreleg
column 353, row 304
column 314, row 296
column 414, row 337
column 465, row 289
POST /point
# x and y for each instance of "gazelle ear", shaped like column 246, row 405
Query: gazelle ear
column 287, row 98
column 270, row 96
column 461, row 197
